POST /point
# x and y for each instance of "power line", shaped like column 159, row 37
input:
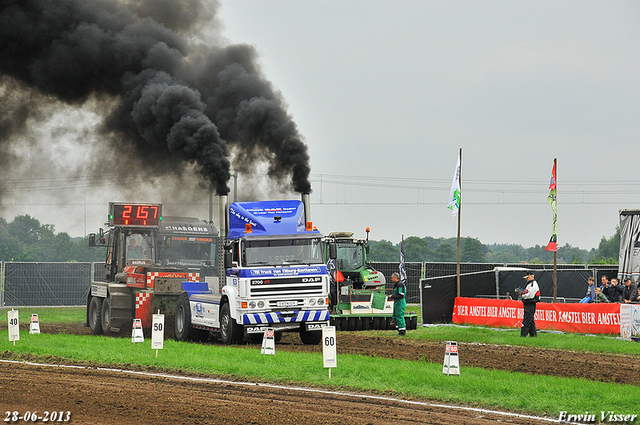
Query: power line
column 317, row 177
column 499, row 187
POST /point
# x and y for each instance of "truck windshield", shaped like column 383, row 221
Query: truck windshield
column 185, row 250
column 280, row 252
column 350, row 256
column 138, row 247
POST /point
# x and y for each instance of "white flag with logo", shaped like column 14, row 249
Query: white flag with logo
column 454, row 195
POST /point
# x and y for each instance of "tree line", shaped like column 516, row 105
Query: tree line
column 26, row 239
column 430, row 249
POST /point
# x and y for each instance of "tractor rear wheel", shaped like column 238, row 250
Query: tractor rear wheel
column 95, row 315
column 106, row 316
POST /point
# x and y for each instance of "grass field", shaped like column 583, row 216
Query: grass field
column 545, row 395
column 63, row 315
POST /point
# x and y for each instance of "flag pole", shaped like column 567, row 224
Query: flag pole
column 455, row 205
column 553, row 241
column 555, row 252
column 459, row 214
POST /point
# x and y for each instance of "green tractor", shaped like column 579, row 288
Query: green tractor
column 359, row 298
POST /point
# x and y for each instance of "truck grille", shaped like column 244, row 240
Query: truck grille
column 286, row 286
column 293, row 317
column 285, row 303
column 287, row 290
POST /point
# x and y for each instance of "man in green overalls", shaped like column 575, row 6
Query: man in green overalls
column 399, row 303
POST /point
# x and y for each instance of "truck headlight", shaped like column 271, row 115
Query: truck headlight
column 252, row 304
column 260, row 304
column 312, row 302
column 320, row 301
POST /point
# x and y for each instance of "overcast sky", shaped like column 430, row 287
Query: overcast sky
column 386, row 93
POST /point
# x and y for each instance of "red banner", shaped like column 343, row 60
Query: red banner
column 600, row 318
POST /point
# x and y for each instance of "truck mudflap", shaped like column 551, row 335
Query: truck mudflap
column 285, row 317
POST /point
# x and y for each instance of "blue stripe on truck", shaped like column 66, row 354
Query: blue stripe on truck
column 196, row 288
column 299, row 316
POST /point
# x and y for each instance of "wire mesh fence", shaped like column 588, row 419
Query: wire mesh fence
column 67, row 284
column 414, row 271
column 418, row 271
column 45, row 284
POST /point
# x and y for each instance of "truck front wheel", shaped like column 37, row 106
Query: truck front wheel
column 183, row 318
column 310, row 337
column 95, row 315
column 230, row 332
column 184, row 329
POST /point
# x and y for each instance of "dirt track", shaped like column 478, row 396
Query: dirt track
column 595, row 367
column 109, row 398
column 156, row 400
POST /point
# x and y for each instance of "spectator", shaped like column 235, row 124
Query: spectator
column 607, row 289
column 630, row 293
column 530, row 296
column 604, row 279
column 600, row 297
column 615, row 291
column 591, row 291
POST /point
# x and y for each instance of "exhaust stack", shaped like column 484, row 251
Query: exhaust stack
column 223, row 222
column 306, row 201
column 223, row 227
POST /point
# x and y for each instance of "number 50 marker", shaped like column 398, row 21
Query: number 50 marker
column 157, row 333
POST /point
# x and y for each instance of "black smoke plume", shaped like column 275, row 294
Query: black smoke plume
column 173, row 101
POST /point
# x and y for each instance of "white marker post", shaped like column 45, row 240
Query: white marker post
column 329, row 347
column 14, row 326
column 268, row 342
column 34, row 328
column 136, row 334
column 451, row 364
column 157, row 332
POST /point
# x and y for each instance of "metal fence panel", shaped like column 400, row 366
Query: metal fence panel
column 46, row 284
column 414, row 271
column 1, row 283
column 448, row 269
column 99, row 272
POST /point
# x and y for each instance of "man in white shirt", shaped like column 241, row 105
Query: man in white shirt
column 530, row 297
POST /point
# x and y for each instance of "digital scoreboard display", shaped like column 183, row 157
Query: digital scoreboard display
column 135, row 214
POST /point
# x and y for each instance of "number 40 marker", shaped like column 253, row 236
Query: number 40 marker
column 14, row 326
